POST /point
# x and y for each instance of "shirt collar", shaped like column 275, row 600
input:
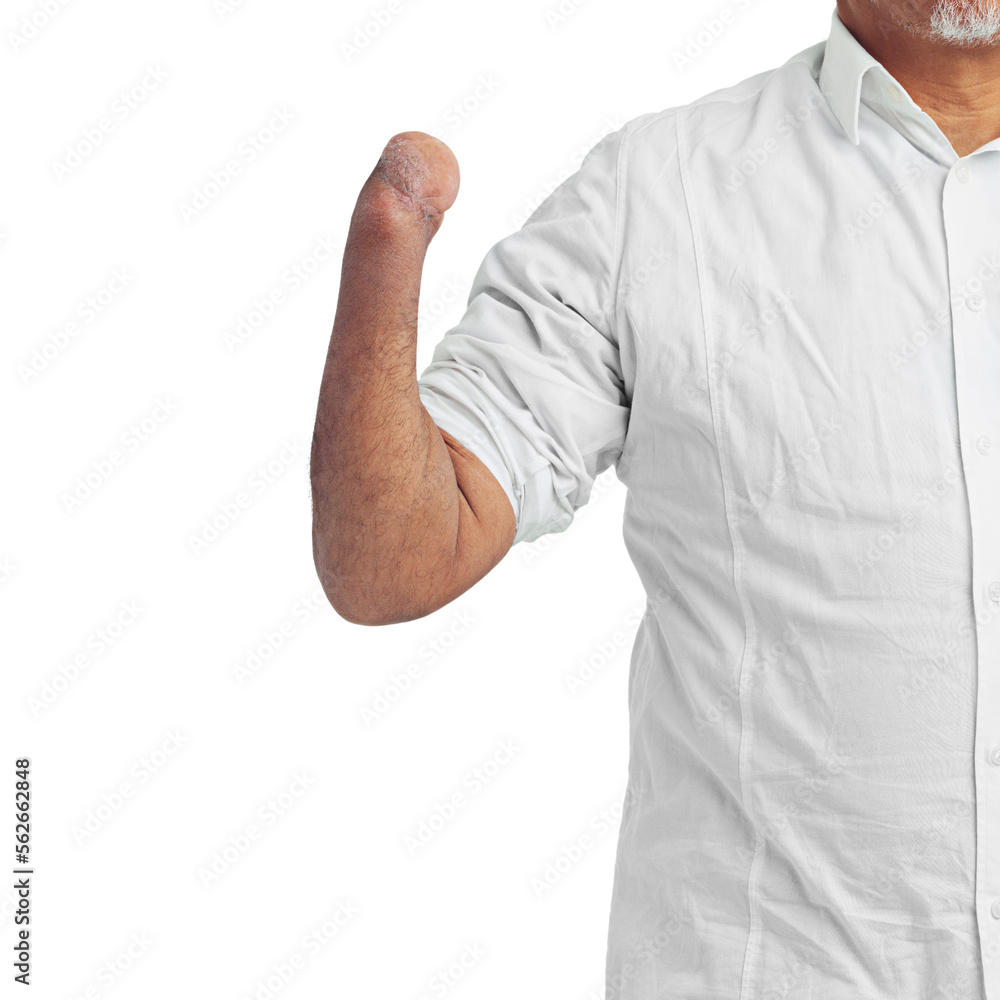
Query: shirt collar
column 845, row 63
column 850, row 75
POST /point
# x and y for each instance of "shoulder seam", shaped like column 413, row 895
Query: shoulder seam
column 714, row 97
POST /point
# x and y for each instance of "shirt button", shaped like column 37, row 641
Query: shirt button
column 995, row 908
column 994, row 591
column 893, row 92
column 975, row 303
column 995, row 756
column 984, row 445
column 962, row 173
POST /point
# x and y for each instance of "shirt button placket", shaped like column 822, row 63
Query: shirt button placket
column 971, row 250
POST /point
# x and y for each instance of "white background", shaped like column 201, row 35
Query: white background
column 155, row 739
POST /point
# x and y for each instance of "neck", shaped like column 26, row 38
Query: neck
column 958, row 85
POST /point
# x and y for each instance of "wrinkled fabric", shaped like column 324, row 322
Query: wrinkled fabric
column 775, row 312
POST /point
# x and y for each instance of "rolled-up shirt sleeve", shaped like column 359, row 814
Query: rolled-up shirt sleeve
column 530, row 379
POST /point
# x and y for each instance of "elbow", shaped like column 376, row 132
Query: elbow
column 356, row 614
column 361, row 605
column 347, row 599
column 357, row 606
column 349, row 610
column 350, row 604
column 361, row 599
column 352, row 599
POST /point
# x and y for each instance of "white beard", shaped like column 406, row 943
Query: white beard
column 965, row 22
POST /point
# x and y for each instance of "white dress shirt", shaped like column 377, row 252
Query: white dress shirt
column 776, row 312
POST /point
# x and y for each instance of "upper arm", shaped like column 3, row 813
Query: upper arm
column 487, row 522
column 484, row 524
